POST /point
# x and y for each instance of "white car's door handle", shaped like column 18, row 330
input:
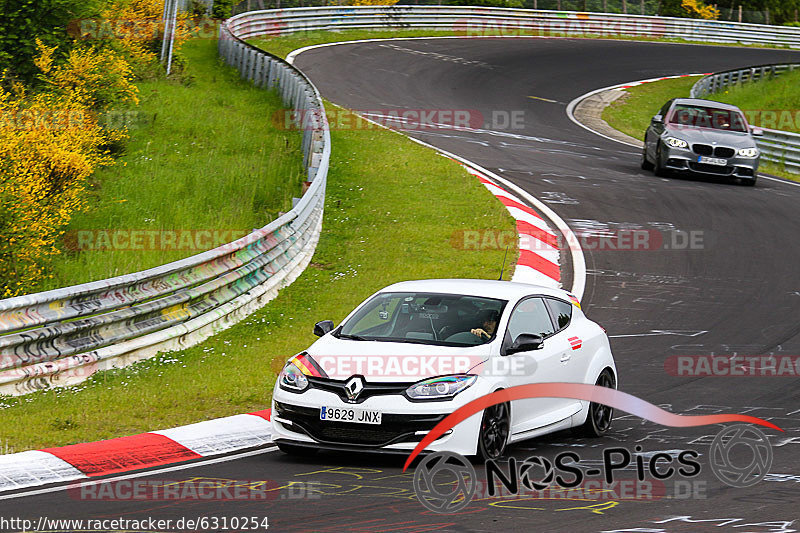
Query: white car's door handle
column 565, row 357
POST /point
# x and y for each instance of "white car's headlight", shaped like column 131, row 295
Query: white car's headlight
column 748, row 152
column 292, row 378
column 676, row 143
column 441, row 388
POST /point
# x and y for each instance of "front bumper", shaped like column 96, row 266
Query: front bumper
column 685, row 160
column 296, row 420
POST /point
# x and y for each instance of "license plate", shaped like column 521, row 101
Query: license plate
column 712, row 160
column 348, row 414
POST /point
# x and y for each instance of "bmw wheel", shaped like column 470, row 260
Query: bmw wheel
column 659, row 165
column 599, row 418
column 646, row 165
column 749, row 182
column 493, row 436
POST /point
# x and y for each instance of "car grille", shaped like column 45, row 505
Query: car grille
column 710, row 169
column 708, row 150
column 370, row 389
column 392, row 429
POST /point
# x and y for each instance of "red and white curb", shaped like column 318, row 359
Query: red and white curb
column 619, row 87
column 538, row 243
column 125, row 454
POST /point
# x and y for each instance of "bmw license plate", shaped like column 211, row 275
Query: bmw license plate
column 712, row 160
column 347, row 414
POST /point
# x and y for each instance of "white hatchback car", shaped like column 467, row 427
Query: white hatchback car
column 416, row 351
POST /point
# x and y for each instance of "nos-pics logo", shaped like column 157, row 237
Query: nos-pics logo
column 445, row 482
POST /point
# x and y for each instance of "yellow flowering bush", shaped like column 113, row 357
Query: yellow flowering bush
column 133, row 28
column 50, row 143
column 698, row 9
column 373, row 2
column 94, row 78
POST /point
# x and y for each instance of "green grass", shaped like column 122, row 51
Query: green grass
column 631, row 114
column 202, row 156
column 780, row 94
column 392, row 207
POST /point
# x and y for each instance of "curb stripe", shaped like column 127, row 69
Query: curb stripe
column 123, row 454
column 508, row 202
column 33, row 468
column 538, row 244
column 222, row 435
column 524, row 228
column 539, row 263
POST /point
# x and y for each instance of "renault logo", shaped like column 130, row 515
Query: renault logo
column 354, row 387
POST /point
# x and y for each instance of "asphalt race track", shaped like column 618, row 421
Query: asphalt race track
column 737, row 292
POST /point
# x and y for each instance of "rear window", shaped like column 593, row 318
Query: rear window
column 562, row 312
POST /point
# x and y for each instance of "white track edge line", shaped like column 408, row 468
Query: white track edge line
column 138, row 474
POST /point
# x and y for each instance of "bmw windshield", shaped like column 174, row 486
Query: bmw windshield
column 693, row 116
column 425, row 318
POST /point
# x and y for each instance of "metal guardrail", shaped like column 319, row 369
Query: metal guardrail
column 485, row 21
column 776, row 146
column 61, row 337
column 720, row 80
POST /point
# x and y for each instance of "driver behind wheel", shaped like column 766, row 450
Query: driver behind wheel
column 488, row 320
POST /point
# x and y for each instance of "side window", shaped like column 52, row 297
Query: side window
column 664, row 110
column 530, row 316
column 562, row 312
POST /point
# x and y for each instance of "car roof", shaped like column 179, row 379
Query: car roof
column 705, row 103
column 505, row 290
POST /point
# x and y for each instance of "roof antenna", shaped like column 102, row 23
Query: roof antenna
column 504, row 265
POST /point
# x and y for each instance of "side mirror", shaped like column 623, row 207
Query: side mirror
column 525, row 342
column 322, row 327
column 756, row 132
column 657, row 119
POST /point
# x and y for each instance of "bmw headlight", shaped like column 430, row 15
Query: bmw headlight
column 748, row 152
column 292, row 378
column 441, row 388
column 676, row 143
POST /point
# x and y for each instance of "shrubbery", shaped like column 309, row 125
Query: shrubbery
column 52, row 97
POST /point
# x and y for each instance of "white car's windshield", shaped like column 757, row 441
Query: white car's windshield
column 707, row 117
column 425, row 318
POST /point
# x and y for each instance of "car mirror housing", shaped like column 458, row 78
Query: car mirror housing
column 756, row 132
column 322, row 327
column 525, row 342
column 657, row 119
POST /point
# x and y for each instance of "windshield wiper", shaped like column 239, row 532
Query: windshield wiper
column 351, row 337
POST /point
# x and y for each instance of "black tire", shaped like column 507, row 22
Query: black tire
column 297, row 451
column 494, row 431
column 599, row 417
column 749, row 183
column 658, row 167
column 646, row 165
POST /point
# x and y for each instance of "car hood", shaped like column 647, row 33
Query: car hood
column 709, row 136
column 394, row 361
